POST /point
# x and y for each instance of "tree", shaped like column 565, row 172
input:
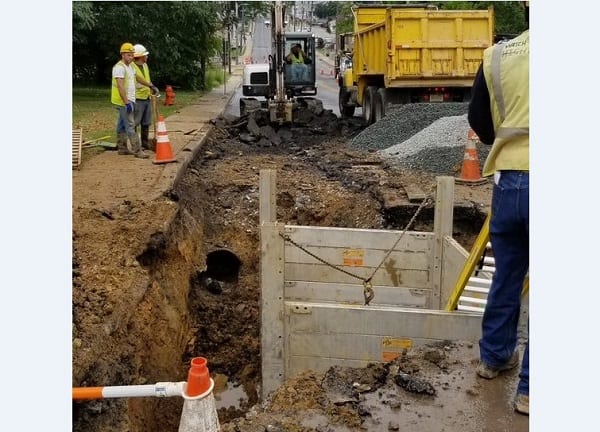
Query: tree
column 326, row 10
column 344, row 19
column 179, row 35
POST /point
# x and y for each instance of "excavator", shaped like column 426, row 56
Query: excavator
column 281, row 89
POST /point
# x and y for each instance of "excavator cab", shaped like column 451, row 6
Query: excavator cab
column 299, row 78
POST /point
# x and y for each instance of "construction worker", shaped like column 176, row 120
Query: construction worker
column 298, row 60
column 143, row 89
column 499, row 114
column 123, row 96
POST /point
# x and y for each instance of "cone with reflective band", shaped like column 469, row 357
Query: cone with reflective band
column 469, row 172
column 164, row 153
column 199, row 412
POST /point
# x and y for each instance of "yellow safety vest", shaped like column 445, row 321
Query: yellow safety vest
column 297, row 60
column 142, row 91
column 506, row 71
column 115, row 96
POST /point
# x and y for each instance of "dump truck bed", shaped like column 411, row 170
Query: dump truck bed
column 413, row 47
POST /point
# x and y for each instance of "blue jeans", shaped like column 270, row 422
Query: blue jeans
column 143, row 112
column 126, row 124
column 299, row 72
column 509, row 234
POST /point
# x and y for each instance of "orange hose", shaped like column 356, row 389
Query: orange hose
column 86, row 393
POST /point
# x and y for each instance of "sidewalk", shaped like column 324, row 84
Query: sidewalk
column 108, row 179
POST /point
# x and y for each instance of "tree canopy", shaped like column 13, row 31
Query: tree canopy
column 180, row 36
column 183, row 35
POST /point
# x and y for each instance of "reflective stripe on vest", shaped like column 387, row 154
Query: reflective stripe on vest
column 506, row 71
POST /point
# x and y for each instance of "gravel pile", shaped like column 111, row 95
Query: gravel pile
column 425, row 137
column 402, row 122
column 439, row 160
column 444, row 132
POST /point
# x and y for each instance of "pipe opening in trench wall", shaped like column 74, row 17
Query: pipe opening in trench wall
column 222, row 265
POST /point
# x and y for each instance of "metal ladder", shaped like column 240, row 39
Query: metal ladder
column 475, row 279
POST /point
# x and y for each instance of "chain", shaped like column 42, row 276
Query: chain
column 368, row 292
column 425, row 201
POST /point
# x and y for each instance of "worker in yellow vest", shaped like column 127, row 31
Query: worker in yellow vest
column 143, row 89
column 122, row 95
column 297, row 60
column 499, row 115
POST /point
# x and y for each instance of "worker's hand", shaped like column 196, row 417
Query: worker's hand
column 154, row 89
column 129, row 106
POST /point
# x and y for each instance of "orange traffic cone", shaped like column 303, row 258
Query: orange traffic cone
column 469, row 173
column 199, row 413
column 164, row 153
column 198, row 377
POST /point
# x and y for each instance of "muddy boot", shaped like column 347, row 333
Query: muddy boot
column 122, row 144
column 144, row 132
column 136, row 147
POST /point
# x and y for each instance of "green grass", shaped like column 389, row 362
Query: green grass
column 97, row 117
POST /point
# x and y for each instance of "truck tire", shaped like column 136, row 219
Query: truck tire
column 242, row 108
column 368, row 108
column 378, row 105
column 346, row 110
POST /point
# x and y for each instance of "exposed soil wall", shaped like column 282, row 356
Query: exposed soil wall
column 142, row 287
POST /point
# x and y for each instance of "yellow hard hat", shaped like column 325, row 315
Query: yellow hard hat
column 127, row 48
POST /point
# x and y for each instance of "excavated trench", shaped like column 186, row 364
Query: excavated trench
column 204, row 268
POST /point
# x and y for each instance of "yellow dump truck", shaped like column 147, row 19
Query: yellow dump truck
column 407, row 54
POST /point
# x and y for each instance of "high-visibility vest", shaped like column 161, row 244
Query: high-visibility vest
column 142, row 91
column 115, row 96
column 297, row 60
column 506, row 71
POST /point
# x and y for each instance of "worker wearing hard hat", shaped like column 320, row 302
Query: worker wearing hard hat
column 143, row 89
column 499, row 115
column 297, row 59
column 123, row 96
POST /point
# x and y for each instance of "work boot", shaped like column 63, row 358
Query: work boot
column 122, row 144
column 488, row 372
column 144, row 131
column 522, row 403
column 136, row 147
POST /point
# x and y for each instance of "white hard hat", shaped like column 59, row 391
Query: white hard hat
column 140, row 50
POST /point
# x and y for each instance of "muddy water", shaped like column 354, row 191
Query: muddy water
column 232, row 395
